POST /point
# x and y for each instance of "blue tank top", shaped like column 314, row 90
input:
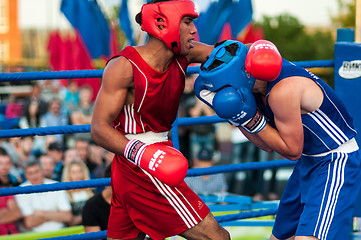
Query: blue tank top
column 324, row 129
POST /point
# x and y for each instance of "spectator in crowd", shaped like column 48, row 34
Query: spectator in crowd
column 77, row 171
column 206, row 184
column 71, row 155
column 14, row 108
column 48, row 163
column 9, row 210
column 187, row 101
column 9, row 215
column 56, row 151
column 49, row 89
column 10, row 145
column 82, row 112
column 108, row 158
column 55, row 117
column 35, row 96
column 96, row 156
column 46, row 211
column 25, row 153
column 6, row 164
column 82, row 146
column 270, row 192
column 243, row 151
column 97, row 209
column 31, row 119
column 204, row 134
column 70, row 96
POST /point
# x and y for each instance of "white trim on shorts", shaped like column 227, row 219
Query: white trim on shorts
column 347, row 147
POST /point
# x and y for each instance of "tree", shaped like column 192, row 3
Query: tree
column 347, row 14
column 294, row 42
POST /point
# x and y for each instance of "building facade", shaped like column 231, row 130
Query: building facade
column 10, row 35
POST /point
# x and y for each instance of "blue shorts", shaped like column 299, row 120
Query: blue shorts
column 319, row 197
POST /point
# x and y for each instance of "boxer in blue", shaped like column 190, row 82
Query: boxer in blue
column 284, row 108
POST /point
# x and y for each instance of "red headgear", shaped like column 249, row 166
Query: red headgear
column 170, row 13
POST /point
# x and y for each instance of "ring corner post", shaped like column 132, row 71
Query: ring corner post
column 347, row 72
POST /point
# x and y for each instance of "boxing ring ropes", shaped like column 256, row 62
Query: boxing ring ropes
column 235, row 203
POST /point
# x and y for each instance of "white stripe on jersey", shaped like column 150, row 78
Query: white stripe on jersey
column 174, row 201
column 329, row 99
column 309, row 129
column 325, row 126
column 180, row 67
column 146, row 84
column 130, row 125
column 337, row 131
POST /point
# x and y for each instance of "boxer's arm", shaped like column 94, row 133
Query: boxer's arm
column 199, row 53
column 117, row 78
column 288, row 139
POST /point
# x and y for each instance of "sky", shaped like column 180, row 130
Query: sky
column 46, row 13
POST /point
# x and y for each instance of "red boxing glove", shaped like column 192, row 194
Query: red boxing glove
column 161, row 161
column 263, row 61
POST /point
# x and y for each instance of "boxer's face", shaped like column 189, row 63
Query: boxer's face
column 187, row 31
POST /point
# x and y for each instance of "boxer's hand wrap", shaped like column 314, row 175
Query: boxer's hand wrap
column 253, row 125
column 133, row 150
column 161, row 161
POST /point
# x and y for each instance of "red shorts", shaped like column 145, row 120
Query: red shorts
column 141, row 203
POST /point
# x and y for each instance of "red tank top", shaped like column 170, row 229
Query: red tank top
column 157, row 96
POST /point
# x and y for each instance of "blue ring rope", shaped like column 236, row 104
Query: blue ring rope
column 101, row 182
column 73, row 74
column 42, row 131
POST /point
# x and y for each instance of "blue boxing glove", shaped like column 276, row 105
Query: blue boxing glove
column 203, row 93
column 239, row 108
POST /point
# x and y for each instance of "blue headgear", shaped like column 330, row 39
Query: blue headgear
column 231, row 72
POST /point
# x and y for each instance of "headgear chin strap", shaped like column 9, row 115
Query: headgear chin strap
column 224, row 68
column 169, row 15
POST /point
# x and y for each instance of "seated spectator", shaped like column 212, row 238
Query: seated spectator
column 9, row 210
column 6, row 164
column 206, row 184
column 77, row 171
column 71, row 155
column 97, row 209
column 49, row 89
column 48, row 163
column 55, row 117
column 56, row 151
column 82, row 113
column 9, row 215
column 96, row 156
column 31, row 119
column 47, row 211
column 70, row 96
column 202, row 135
column 14, row 109
column 108, row 158
column 25, row 153
column 35, row 96
column 82, row 146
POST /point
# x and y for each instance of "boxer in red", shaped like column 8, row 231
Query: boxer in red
column 133, row 114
